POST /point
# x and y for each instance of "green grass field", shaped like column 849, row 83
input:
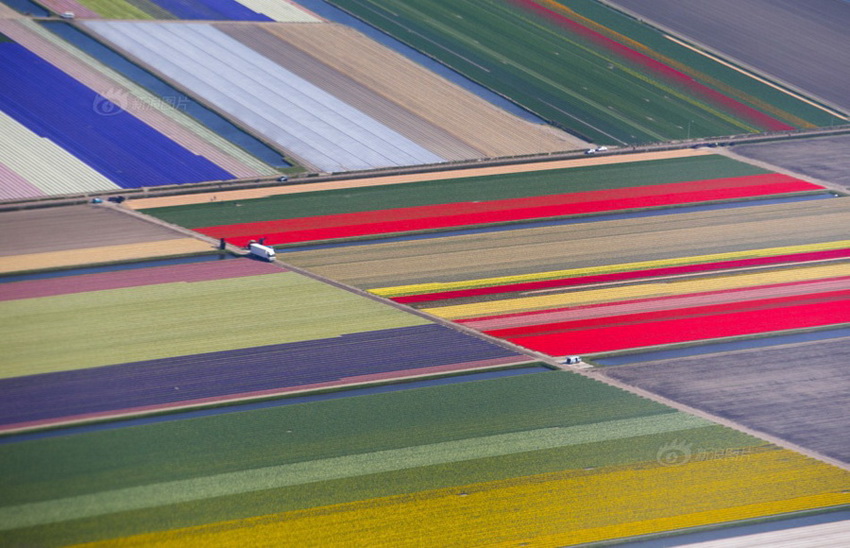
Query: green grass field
column 494, row 187
column 565, row 78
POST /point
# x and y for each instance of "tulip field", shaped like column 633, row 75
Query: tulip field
column 537, row 456
column 591, row 69
column 478, row 327
column 281, row 333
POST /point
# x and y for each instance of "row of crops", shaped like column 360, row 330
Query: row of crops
column 591, row 69
column 683, row 262
column 593, row 260
column 207, row 10
column 225, row 330
column 497, row 460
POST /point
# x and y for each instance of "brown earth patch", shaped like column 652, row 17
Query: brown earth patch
column 74, row 227
column 104, row 254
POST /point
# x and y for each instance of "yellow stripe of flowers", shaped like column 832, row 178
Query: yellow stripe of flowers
column 418, row 289
column 559, row 508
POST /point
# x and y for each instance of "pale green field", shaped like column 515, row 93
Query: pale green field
column 158, row 321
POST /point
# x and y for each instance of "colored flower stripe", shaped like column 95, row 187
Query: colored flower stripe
column 736, row 107
column 625, row 500
column 350, row 225
column 620, row 293
column 192, row 272
column 671, row 314
column 630, row 275
column 440, row 209
column 635, row 335
column 434, row 287
column 596, row 310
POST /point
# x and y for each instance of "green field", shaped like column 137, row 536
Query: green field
column 234, row 465
column 118, row 9
column 91, row 329
column 494, row 187
column 572, row 82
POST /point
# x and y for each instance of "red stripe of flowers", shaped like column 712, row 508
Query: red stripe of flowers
column 747, row 322
column 474, row 213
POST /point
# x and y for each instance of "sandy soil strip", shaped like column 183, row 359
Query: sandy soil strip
column 460, row 112
column 77, row 257
column 168, row 201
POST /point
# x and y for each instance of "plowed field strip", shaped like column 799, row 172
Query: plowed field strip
column 111, row 253
column 653, row 333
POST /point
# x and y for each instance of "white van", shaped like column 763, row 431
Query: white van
column 261, row 251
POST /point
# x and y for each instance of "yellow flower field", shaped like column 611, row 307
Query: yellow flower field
column 553, row 509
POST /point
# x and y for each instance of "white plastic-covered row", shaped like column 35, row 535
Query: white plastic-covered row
column 281, row 10
column 49, row 168
column 289, row 111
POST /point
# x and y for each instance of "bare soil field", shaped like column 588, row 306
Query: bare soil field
column 795, row 392
column 803, row 44
column 247, row 194
column 824, row 159
column 102, row 254
column 74, row 227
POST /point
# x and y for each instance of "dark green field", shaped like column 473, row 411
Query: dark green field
column 573, row 82
column 495, row 187
column 380, row 427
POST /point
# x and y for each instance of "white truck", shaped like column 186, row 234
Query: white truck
column 261, row 251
